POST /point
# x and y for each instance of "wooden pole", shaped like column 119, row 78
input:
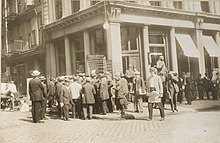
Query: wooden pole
column 1, row 40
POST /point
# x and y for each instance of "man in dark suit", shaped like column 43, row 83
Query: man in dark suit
column 104, row 95
column 36, row 95
column 121, row 88
column 58, row 87
column 139, row 91
column 65, row 99
column 88, row 92
column 44, row 101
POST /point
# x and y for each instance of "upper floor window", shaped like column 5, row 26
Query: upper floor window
column 131, row 1
column 155, row 3
column 93, row 2
column 75, row 4
column 59, row 11
column 178, row 4
column 33, row 38
column 40, row 20
column 205, row 6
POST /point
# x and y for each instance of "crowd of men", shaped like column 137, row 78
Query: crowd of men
column 100, row 93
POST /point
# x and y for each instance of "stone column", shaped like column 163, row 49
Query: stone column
column 146, row 50
column 185, row 5
column 52, row 60
column 199, row 44
column 66, row 7
column 173, row 50
column 86, row 49
column 73, row 55
column 145, row 2
column 197, row 6
column 16, row 6
column 51, row 11
column 114, row 52
column 217, row 9
column 169, row 4
column 84, row 4
column 217, row 40
column 67, row 56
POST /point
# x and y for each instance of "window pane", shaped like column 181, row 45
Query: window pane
column 133, row 37
column 100, row 42
column 156, row 39
column 124, row 39
column 177, row 4
column 75, row 5
column 58, row 9
column 155, row 3
column 205, row 6
column 93, row 2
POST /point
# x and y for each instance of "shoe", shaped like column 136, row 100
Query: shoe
column 45, row 118
column 172, row 110
column 176, row 110
column 149, row 119
column 161, row 119
column 66, row 119
column 40, row 122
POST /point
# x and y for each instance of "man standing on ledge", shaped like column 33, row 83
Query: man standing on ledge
column 36, row 95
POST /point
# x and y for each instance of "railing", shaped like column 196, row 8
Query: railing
column 16, row 46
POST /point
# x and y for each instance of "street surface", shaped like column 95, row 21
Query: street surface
column 198, row 123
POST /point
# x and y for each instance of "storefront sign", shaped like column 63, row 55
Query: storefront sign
column 97, row 62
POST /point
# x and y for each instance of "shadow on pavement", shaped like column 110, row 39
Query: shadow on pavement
column 26, row 120
column 213, row 108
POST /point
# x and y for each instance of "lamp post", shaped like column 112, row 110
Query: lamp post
column 106, row 24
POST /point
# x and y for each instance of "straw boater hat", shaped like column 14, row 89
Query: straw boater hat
column 172, row 73
column 61, row 78
column 137, row 73
column 42, row 78
column 35, row 73
column 153, row 69
column 88, row 79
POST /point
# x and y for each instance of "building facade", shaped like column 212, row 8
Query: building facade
column 22, row 48
column 137, row 32
column 186, row 33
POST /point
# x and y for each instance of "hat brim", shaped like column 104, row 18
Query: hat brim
column 35, row 74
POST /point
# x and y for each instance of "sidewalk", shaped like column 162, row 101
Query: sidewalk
column 190, row 125
column 197, row 106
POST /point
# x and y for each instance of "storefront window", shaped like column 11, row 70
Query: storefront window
column 129, row 38
column 157, row 39
column 157, row 46
column 130, row 44
column 100, row 46
column 124, row 39
column 80, row 57
column 61, row 57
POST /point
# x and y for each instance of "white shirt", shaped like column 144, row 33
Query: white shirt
column 75, row 89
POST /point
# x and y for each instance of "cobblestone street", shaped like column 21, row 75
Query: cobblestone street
column 197, row 123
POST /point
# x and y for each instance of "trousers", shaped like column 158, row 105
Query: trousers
column 150, row 109
column 36, row 111
column 87, row 108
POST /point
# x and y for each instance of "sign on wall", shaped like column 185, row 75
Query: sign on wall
column 96, row 62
